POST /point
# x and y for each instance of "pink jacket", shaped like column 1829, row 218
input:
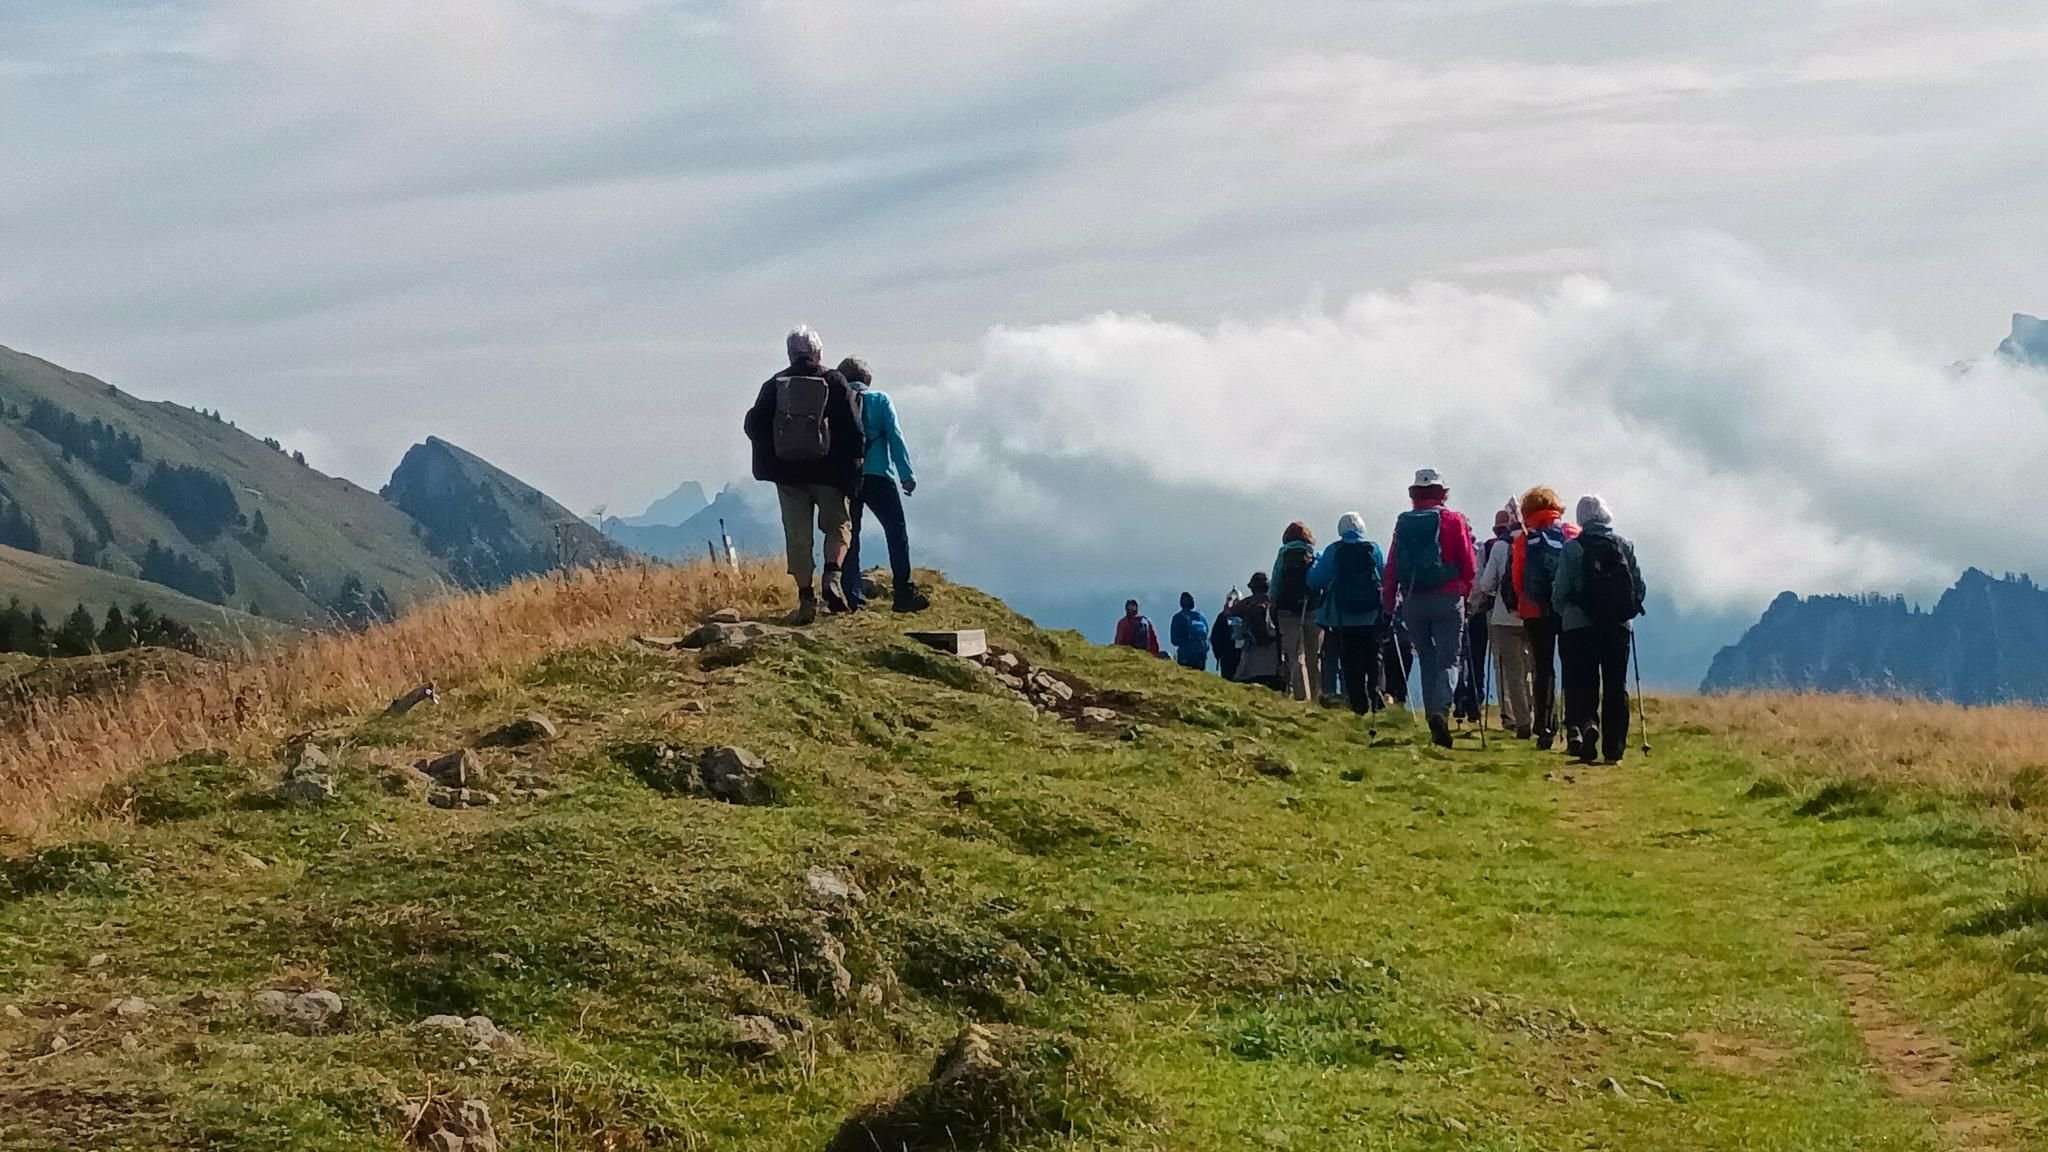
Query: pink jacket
column 1454, row 536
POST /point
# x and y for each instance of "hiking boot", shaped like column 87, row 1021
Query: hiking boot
column 911, row 600
column 806, row 611
column 1589, row 745
column 1524, row 733
column 1610, row 761
column 1439, row 732
column 835, row 600
column 1544, row 741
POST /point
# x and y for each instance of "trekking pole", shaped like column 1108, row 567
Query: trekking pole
column 1479, row 696
column 1642, row 715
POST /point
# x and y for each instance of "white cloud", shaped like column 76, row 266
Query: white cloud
column 1752, row 436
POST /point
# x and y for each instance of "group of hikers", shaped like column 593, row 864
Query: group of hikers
column 828, row 440
column 1344, row 622
column 1349, row 622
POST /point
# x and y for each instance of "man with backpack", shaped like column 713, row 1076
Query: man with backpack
column 1349, row 574
column 1294, row 607
column 1428, row 576
column 1189, row 633
column 884, row 457
column 1599, row 591
column 1532, row 577
column 1134, row 631
column 1223, row 639
column 808, row 442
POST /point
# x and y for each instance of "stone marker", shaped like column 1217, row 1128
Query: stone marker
column 967, row 642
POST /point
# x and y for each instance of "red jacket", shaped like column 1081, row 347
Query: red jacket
column 1454, row 537
column 1137, row 632
column 1525, row 605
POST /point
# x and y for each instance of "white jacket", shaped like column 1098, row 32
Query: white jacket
column 1492, row 575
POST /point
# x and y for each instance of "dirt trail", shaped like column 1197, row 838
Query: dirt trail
column 1915, row 1064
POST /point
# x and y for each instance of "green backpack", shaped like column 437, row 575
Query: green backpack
column 1419, row 551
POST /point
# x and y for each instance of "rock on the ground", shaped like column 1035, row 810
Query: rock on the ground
column 312, row 1008
column 725, row 616
column 1099, row 720
column 130, row 1007
column 311, row 757
column 306, row 786
column 532, row 728
column 456, row 769
column 1267, row 764
column 461, row 798
column 408, row 781
column 478, row 1031
column 735, row 634
column 454, row 1125
column 756, row 1037
column 735, row 776
column 828, row 887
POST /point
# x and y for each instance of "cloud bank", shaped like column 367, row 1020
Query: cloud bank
column 1751, row 435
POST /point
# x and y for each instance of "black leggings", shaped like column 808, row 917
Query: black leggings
column 1358, row 653
column 1542, row 633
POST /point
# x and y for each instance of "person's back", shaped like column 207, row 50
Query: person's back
column 1190, row 635
column 1533, row 560
column 1258, row 660
column 885, row 457
column 807, row 441
column 1599, row 593
column 1348, row 574
column 1134, row 631
column 1294, row 606
column 1429, row 574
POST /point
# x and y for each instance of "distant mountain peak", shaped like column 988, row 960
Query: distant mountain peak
column 2028, row 343
column 675, row 508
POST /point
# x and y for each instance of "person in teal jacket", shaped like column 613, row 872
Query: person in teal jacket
column 1348, row 574
column 885, row 459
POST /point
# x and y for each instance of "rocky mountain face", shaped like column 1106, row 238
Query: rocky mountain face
column 1985, row 642
column 114, row 496
column 2028, row 343
column 488, row 526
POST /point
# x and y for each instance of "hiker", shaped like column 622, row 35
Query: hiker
column 1471, row 694
column 1532, row 575
column 1493, row 597
column 1258, row 656
column 884, row 458
column 1294, row 605
column 1189, row 633
column 808, row 442
column 1224, row 639
column 1349, row 574
column 1428, row 577
column 1599, row 590
column 1134, row 631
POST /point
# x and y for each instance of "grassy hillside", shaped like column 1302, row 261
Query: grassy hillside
column 58, row 586
column 91, row 505
column 1217, row 920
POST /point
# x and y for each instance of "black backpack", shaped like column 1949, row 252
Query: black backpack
column 1257, row 614
column 1359, row 572
column 1291, row 593
column 801, row 432
column 1608, row 580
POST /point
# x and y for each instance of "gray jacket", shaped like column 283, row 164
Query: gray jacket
column 1564, row 592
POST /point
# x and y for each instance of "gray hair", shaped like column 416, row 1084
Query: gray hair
column 804, row 344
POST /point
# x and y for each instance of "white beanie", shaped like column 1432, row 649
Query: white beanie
column 1593, row 510
column 1351, row 524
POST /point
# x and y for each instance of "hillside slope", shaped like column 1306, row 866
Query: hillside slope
column 237, row 521
column 1215, row 920
column 1985, row 642
column 489, row 526
column 58, row 586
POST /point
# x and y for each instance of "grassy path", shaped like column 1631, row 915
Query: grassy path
column 1254, row 925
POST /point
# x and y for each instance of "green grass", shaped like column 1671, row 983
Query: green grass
column 1392, row 948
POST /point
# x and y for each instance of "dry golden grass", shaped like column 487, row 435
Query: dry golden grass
column 69, row 748
column 1999, row 755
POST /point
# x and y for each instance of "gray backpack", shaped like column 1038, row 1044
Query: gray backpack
column 801, row 433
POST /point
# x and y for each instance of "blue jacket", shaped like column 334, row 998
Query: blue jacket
column 1564, row 593
column 1323, row 577
column 1190, row 635
column 884, row 437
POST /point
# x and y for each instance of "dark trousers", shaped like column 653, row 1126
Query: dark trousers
column 1397, row 655
column 1472, row 681
column 1543, row 673
column 1226, row 661
column 1358, row 655
column 1596, row 685
column 1332, row 659
column 878, row 494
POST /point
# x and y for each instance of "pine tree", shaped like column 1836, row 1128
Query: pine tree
column 38, row 632
column 259, row 527
column 14, row 627
column 78, row 633
column 117, row 635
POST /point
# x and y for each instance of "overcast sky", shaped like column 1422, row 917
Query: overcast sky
column 1191, row 265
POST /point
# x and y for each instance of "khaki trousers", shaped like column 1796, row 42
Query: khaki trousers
column 801, row 505
column 1301, row 653
column 1510, row 643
